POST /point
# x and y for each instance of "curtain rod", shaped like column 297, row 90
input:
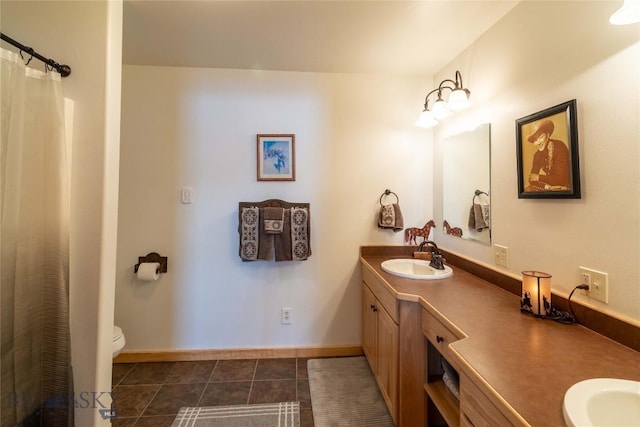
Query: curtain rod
column 64, row 70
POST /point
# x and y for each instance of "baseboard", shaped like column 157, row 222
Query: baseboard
column 242, row 353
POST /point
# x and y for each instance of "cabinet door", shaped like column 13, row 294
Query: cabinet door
column 388, row 361
column 369, row 327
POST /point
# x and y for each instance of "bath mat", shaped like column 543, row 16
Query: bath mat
column 344, row 393
column 285, row 414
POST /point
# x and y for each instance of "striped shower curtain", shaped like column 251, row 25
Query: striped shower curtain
column 34, row 249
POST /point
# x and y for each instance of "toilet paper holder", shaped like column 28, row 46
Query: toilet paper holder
column 152, row 257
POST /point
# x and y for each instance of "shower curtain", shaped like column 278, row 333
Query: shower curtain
column 36, row 381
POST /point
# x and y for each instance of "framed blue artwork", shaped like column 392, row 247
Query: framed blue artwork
column 276, row 157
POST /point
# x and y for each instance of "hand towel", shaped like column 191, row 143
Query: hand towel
column 249, row 232
column 266, row 246
column 472, row 217
column 255, row 243
column 485, row 214
column 258, row 245
column 273, row 220
column 282, row 241
column 299, row 234
column 390, row 216
column 480, row 214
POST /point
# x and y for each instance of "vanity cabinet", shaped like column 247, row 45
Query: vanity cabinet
column 475, row 405
column 492, row 351
column 380, row 339
column 396, row 360
column 443, row 408
column 393, row 343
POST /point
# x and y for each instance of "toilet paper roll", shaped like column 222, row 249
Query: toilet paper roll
column 149, row 271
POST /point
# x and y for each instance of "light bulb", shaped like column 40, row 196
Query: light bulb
column 458, row 100
column 440, row 110
column 629, row 13
column 426, row 120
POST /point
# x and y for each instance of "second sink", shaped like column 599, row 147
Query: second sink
column 411, row 268
column 602, row 402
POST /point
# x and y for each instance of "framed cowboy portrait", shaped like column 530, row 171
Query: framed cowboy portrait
column 547, row 148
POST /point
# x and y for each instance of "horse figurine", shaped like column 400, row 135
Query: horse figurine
column 455, row 231
column 410, row 234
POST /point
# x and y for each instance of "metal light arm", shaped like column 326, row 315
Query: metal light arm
column 426, row 99
column 456, row 101
column 457, row 85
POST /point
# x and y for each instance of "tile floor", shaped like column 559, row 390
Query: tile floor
column 151, row 394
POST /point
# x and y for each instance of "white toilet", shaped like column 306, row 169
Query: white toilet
column 118, row 341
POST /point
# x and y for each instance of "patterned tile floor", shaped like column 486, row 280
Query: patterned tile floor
column 151, row 394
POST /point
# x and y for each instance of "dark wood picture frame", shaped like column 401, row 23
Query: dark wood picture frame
column 547, row 151
column 276, row 157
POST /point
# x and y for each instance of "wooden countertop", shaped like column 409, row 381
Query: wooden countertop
column 529, row 362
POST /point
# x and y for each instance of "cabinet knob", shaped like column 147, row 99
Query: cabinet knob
column 374, row 308
column 439, row 338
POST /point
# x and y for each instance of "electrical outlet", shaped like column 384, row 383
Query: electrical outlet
column 285, row 316
column 501, row 254
column 585, row 278
column 598, row 282
column 186, row 195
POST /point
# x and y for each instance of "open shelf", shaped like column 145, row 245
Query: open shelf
column 442, row 407
column 447, row 404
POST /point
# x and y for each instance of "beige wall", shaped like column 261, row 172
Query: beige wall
column 197, row 128
column 516, row 69
column 86, row 35
column 354, row 140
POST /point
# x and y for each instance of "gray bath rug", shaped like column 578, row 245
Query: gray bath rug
column 285, row 414
column 344, row 393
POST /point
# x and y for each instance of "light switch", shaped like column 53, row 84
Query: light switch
column 187, row 195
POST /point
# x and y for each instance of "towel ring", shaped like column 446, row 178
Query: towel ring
column 388, row 192
column 476, row 194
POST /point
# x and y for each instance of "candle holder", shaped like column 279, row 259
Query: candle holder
column 536, row 293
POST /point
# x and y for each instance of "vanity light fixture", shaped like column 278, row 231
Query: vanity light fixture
column 458, row 99
column 536, row 293
column 629, row 13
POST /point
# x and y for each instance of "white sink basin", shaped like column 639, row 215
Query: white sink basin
column 602, row 402
column 415, row 269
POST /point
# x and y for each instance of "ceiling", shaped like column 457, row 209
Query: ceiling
column 388, row 37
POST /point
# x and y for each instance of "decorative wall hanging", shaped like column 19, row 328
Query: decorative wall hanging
column 411, row 233
column 274, row 230
column 453, row 231
column 547, row 146
column 276, row 157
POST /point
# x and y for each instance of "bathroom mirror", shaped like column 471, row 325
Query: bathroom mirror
column 466, row 181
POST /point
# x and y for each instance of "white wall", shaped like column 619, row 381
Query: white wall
column 85, row 35
column 197, row 127
column 539, row 55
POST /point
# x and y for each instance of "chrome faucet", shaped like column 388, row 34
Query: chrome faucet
column 437, row 261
